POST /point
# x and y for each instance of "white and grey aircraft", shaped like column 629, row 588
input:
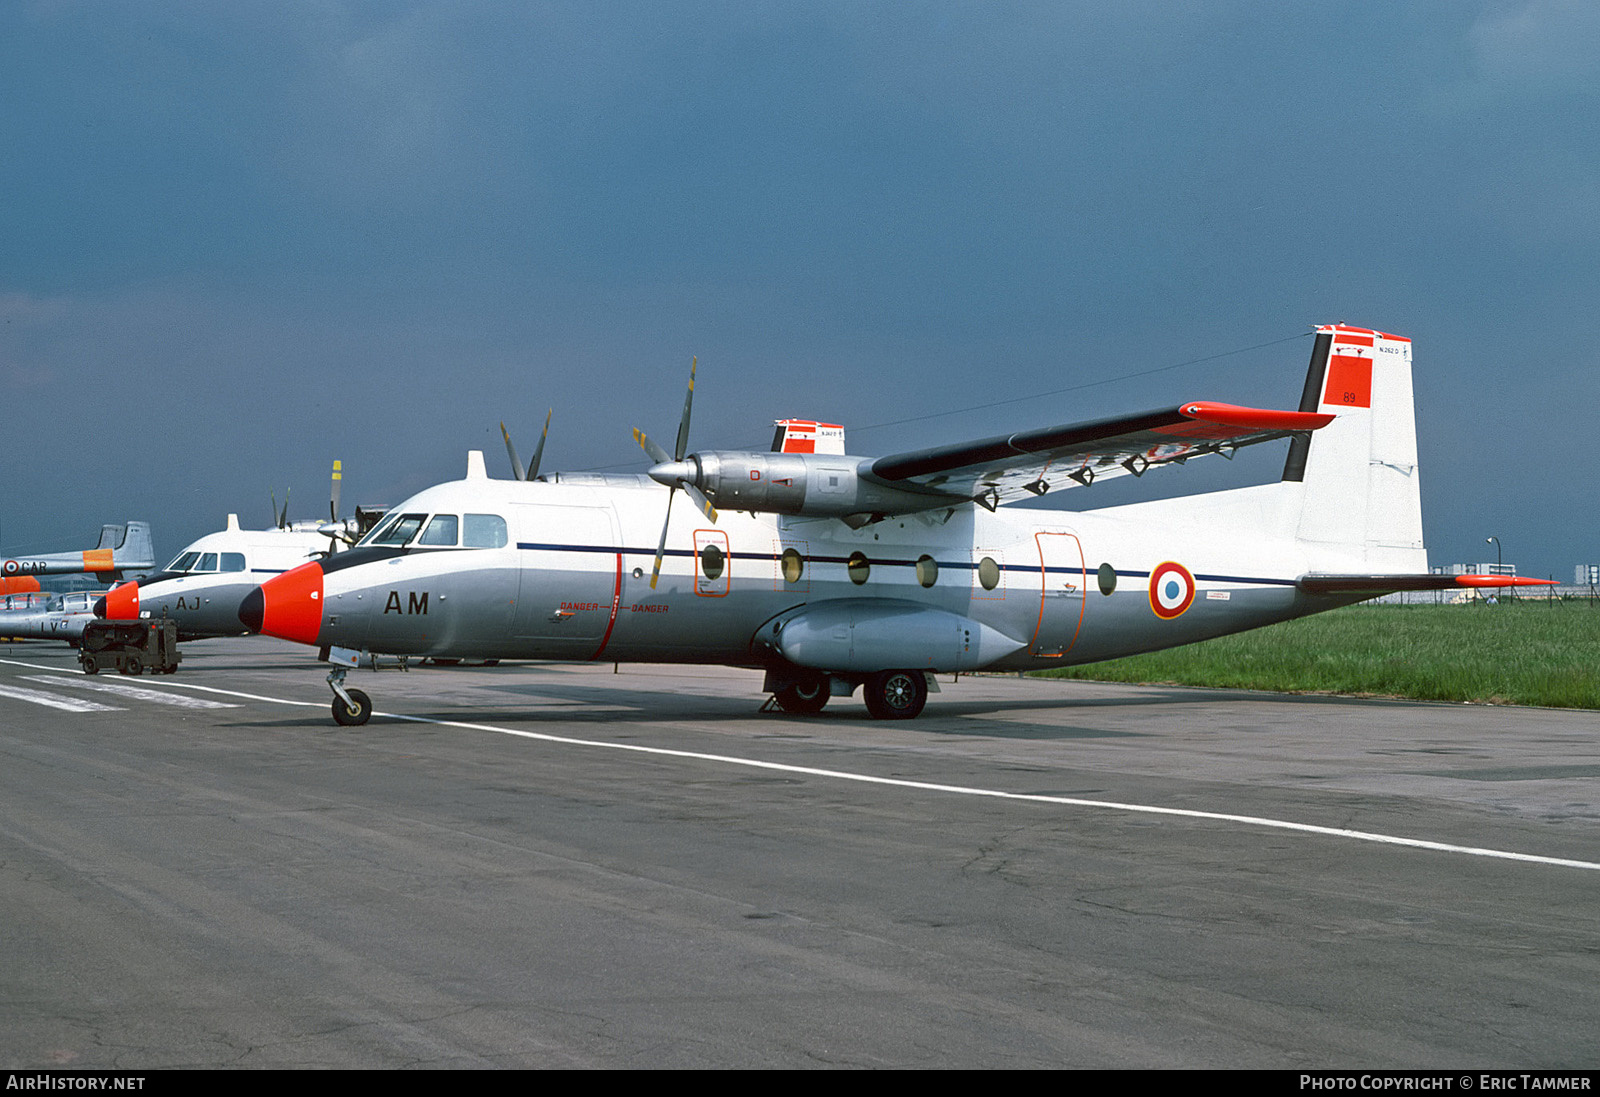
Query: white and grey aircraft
column 201, row 588
column 834, row 572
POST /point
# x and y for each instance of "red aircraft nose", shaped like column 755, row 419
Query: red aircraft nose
column 121, row 603
column 287, row 606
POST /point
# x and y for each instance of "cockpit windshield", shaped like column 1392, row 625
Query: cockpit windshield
column 396, row 530
column 439, row 531
column 190, row 562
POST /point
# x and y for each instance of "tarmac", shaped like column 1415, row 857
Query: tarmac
column 597, row 866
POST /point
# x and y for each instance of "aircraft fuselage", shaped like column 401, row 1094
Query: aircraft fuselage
column 1015, row 589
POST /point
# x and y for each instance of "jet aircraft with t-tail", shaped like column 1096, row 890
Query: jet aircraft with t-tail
column 122, row 548
column 833, row 572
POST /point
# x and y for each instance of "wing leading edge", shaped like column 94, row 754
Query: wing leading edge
column 1008, row 467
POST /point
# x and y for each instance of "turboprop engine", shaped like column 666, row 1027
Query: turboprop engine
column 808, row 484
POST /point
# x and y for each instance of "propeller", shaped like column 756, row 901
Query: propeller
column 673, row 471
column 538, row 454
column 280, row 518
column 333, row 529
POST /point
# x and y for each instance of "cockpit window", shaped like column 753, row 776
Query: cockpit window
column 400, row 531
column 441, row 531
column 184, row 562
column 233, row 561
column 485, row 531
column 380, row 530
column 208, row 562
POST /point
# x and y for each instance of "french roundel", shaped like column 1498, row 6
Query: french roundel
column 1171, row 590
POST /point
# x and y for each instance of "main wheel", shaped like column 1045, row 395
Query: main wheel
column 895, row 694
column 133, row 666
column 804, row 698
column 352, row 716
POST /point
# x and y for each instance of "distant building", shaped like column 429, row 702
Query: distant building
column 1588, row 575
column 1475, row 569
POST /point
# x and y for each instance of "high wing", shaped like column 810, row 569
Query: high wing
column 1008, row 467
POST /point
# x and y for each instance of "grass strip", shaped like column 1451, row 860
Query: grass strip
column 1527, row 653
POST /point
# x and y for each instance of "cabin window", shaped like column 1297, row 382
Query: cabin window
column 1108, row 579
column 485, row 531
column 927, row 570
column 988, row 573
column 859, row 568
column 711, row 561
column 233, row 561
column 441, row 532
column 794, row 565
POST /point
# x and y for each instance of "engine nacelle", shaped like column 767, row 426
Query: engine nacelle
column 807, row 484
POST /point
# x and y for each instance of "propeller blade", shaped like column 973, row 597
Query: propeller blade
column 538, row 453
column 688, row 405
column 511, row 451
column 700, row 500
column 283, row 519
column 657, row 454
column 333, row 501
column 661, row 549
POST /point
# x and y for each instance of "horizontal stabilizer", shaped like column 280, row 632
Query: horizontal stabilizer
column 1390, row 584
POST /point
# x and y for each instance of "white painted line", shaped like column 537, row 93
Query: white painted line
column 122, row 689
column 960, row 790
column 68, row 704
column 72, row 676
column 1068, row 801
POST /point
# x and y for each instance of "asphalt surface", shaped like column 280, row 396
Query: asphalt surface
column 566, row 866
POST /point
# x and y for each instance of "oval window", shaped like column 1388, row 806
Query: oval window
column 927, row 570
column 794, row 566
column 988, row 573
column 859, row 568
column 711, row 562
column 1108, row 578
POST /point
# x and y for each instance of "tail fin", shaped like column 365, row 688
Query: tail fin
column 136, row 550
column 111, row 536
column 1360, row 471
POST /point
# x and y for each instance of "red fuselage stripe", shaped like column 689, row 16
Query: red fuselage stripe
column 616, row 603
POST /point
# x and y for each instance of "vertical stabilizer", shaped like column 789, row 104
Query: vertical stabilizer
column 1360, row 471
column 137, row 550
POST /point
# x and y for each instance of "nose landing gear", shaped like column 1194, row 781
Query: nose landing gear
column 351, row 707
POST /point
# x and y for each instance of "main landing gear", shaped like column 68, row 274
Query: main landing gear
column 889, row 694
column 895, row 694
column 805, row 697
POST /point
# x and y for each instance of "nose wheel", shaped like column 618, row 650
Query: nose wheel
column 351, row 707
